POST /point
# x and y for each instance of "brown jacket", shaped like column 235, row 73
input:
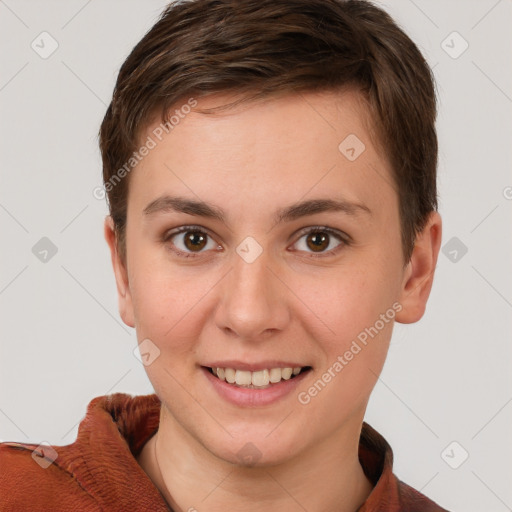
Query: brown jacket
column 99, row 472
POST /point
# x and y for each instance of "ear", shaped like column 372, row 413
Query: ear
column 121, row 274
column 419, row 272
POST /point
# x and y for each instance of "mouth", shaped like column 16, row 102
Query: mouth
column 261, row 379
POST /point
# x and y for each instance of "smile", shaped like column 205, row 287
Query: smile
column 260, row 379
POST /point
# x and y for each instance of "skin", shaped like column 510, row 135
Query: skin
column 286, row 305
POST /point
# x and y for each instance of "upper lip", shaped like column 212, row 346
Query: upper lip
column 253, row 367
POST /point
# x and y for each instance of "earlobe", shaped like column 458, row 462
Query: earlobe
column 419, row 273
column 120, row 273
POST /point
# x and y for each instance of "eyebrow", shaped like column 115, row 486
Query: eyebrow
column 289, row 213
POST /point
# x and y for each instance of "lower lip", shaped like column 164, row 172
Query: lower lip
column 247, row 397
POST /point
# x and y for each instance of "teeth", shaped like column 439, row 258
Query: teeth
column 243, row 378
column 286, row 373
column 229, row 373
column 260, row 379
column 275, row 375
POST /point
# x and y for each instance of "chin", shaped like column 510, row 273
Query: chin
column 255, row 448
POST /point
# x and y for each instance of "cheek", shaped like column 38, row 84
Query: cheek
column 349, row 299
column 358, row 306
column 165, row 300
column 359, row 310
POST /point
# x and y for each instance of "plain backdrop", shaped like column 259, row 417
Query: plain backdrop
column 444, row 399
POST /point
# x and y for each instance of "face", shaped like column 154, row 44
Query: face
column 257, row 244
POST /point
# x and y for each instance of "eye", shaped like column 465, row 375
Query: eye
column 188, row 240
column 322, row 241
column 191, row 241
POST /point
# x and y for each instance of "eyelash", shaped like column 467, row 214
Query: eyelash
column 342, row 237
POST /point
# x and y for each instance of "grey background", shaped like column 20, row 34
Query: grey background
column 447, row 378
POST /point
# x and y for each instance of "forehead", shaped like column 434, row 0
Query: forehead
column 271, row 150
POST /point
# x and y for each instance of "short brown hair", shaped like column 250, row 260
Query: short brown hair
column 260, row 48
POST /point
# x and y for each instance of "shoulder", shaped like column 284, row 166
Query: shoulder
column 31, row 480
column 98, row 471
column 389, row 493
column 412, row 500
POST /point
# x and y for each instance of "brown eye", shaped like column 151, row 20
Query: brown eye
column 317, row 241
column 322, row 241
column 189, row 240
column 194, row 240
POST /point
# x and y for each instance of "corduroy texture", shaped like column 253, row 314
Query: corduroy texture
column 99, row 472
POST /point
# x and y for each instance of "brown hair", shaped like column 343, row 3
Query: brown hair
column 259, row 48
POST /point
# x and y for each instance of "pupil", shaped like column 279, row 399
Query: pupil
column 318, row 241
column 195, row 240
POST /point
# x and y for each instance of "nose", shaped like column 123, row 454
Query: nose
column 253, row 303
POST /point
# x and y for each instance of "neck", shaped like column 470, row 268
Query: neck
column 327, row 477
